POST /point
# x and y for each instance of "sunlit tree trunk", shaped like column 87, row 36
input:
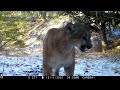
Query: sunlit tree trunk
column 96, row 41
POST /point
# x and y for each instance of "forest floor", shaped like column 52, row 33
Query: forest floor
column 89, row 64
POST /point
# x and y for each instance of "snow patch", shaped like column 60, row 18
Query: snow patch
column 92, row 65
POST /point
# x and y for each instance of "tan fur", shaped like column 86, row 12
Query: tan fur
column 59, row 50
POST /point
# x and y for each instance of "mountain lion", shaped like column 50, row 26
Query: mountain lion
column 59, row 48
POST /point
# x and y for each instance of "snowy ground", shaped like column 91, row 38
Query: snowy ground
column 88, row 65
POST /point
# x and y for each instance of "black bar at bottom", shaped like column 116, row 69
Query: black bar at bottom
column 61, row 77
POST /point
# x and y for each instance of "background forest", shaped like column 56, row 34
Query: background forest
column 22, row 32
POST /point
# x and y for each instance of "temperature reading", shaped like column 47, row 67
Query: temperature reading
column 32, row 77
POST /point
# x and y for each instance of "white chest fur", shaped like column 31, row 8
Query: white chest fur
column 59, row 61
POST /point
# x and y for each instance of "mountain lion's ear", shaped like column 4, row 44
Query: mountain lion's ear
column 70, row 27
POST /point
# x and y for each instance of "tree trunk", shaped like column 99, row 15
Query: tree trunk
column 103, row 37
column 110, row 29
